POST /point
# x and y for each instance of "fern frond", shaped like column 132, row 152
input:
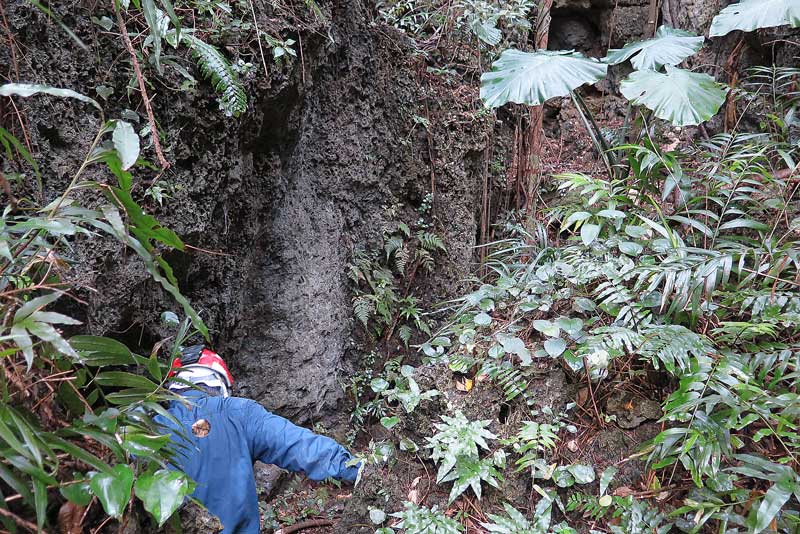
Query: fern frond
column 404, row 333
column 673, row 346
column 532, row 441
column 586, row 505
column 430, row 241
column 392, row 245
column 426, row 260
column 401, row 257
column 363, row 309
column 510, row 380
column 461, row 363
column 215, row 67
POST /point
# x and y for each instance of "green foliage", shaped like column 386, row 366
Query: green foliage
column 282, row 49
column 482, row 23
column 405, row 390
column 749, row 15
column 534, row 77
column 533, row 441
column 416, row 519
column 104, row 391
column 589, row 506
column 162, row 492
column 514, row 523
column 383, row 300
column 638, row 517
column 690, row 268
column 668, row 47
column 215, row 67
column 455, row 447
column 681, row 97
column 26, row 90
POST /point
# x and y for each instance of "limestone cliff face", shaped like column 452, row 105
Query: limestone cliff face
column 282, row 195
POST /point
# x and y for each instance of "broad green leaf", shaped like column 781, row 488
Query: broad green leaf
column 749, row 15
column 605, row 501
column 162, row 493
column 482, row 319
column 407, row 444
column 126, row 143
column 606, row 478
column 170, row 318
column 547, row 328
column 534, row 77
column 668, row 47
column 681, row 97
column 577, row 216
column 123, row 379
column 555, row 346
column 584, row 474
column 143, row 445
column 27, row 89
column 389, row 422
column 100, row 351
column 589, row 233
column 47, row 333
column 744, row 223
column 515, row 345
column 379, row 384
column 630, row 248
column 377, row 516
column 34, row 305
column 486, row 31
column 53, row 318
column 771, row 504
column 113, row 488
column 24, row 342
column 583, row 304
column 571, row 325
column 78, row 492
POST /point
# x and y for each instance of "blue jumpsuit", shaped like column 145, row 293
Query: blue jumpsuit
column 240, row 432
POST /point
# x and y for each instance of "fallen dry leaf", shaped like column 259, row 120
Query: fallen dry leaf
column 69, row 518
column 465, row 386
column 413, row 496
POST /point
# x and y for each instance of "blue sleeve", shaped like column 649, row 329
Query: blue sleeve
column 275, row 440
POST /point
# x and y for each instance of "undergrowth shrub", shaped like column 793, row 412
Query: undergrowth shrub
column 75, row 410
column 700, row 285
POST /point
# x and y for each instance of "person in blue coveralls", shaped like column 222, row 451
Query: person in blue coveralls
column 220, row 437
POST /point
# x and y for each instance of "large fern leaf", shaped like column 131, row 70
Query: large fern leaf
column 673, row 346
column 215, row 67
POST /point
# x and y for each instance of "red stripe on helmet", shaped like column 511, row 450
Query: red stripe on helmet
column 214, row 361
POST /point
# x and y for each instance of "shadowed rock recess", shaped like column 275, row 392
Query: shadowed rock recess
column 284, row 193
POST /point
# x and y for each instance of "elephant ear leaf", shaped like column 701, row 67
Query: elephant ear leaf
column 534, row 77
column 681, row 97
column 668, row 47
column 749, row 15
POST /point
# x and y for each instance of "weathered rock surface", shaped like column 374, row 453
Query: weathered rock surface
column 282, row 195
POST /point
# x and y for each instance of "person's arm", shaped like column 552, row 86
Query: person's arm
column 275, row 440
